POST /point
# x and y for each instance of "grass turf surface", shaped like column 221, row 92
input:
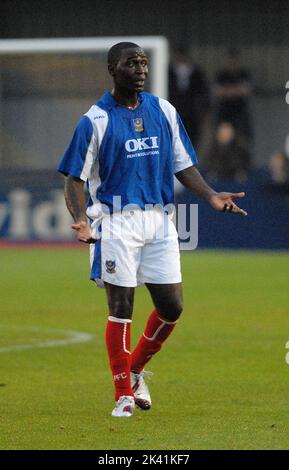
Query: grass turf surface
column 220, row 382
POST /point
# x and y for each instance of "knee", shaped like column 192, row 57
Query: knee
column 121, row 309
column 172, row 310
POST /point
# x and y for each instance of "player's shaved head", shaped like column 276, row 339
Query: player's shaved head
column 114, row 53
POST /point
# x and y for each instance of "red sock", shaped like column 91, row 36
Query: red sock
column 156, row 332
column 118, row 347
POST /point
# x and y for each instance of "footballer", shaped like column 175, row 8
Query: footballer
column 127, row 148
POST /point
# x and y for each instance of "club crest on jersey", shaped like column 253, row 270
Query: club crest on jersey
column 138, row 124
column 110, row 266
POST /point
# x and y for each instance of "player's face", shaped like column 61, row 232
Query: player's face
column 131, row 70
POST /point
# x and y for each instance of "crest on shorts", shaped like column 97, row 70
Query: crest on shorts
column 138, row 124
column 110, row 266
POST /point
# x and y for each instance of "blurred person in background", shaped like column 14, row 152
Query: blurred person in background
column 226, row 158
column 232, row 91
column 286, row 146
column 189, row 93
column 279, row 168
column 278, row 172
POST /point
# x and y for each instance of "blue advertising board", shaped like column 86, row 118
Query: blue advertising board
column 32, row 207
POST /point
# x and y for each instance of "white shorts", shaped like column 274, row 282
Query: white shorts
column 136, row 247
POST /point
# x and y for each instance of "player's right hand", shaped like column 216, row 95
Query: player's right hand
column 83, row 232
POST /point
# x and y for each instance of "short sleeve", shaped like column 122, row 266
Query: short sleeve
column 183, row 151
column 81, row 153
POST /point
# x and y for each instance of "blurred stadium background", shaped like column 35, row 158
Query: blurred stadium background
column 42, row 97
column 236, row 324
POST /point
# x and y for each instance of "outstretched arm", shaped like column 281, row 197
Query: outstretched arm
column 76, row 204
column 223, row 202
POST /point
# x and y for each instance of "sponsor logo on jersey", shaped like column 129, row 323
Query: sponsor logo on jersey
column 144, row 143
column 99, row 116
column 110, row 266
column 138, row 124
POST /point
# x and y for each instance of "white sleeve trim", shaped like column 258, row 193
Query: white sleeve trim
column 182, row 159
column 89, row 159
column 99, row 120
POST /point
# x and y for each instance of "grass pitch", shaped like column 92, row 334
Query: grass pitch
column 220, row 382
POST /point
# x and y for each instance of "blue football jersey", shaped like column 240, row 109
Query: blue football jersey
column 128, row 155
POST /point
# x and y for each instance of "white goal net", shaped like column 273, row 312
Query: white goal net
column 47, row 84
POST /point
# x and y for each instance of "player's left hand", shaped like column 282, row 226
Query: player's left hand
column 223, row 202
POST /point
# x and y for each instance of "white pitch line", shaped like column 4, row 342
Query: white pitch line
column 72, row 337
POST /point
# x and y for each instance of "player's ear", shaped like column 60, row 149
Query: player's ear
column 111, row 69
